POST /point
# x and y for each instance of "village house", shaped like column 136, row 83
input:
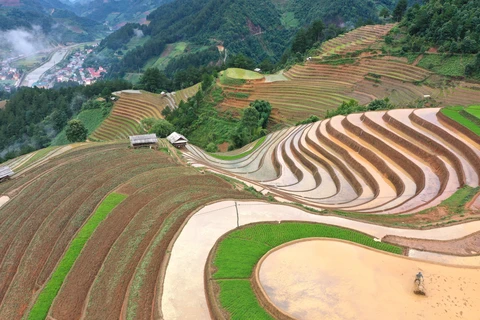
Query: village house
column 177, row 140
column 143, row 141
column 5, row 173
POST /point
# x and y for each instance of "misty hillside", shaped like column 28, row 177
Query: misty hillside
column 48, row 18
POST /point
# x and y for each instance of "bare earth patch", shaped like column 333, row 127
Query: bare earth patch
column 469, row 245
column 3, row 200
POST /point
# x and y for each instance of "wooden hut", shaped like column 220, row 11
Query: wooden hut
column 177, row 140
column 144, row 141
column 5, row 173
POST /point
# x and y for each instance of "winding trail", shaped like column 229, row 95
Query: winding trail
column 185, row 273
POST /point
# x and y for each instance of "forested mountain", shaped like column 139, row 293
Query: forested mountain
column 116, row 12
column 450, row 25
column 49, row 18
column 259, row 29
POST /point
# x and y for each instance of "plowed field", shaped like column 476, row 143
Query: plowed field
column 119, row 269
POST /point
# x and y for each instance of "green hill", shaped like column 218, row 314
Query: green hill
column 258, row 29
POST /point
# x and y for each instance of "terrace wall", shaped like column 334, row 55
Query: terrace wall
column 468, row 152
column 409, row 166
column 457, row 126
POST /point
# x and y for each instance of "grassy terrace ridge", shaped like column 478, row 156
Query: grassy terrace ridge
column 239, row 252
column 237, row 73
column 454, row 113
column 47, row 295
column 455, row 205
column 241, row 155
column 474, row 111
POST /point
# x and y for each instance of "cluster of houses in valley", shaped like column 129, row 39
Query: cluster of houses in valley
column 72, row 70
column 9, row 76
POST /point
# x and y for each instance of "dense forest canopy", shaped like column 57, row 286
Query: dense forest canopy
column 118, row 11
column 449, row 25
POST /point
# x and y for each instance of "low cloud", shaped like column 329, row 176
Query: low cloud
column 138, row 33
column 21, row 41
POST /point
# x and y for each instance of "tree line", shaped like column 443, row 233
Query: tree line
column 32, row 117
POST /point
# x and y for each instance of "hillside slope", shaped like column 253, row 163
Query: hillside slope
column 53, row 19
column 116, row 13
column 119, row 268
column 258, row 29
column 398, row 161
column 351, row 66
column 132, row 107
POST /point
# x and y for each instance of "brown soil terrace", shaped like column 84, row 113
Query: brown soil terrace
column 469, row 245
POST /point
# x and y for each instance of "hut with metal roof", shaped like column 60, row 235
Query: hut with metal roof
column 144, row 141
column 5, row 173
column 177, row 140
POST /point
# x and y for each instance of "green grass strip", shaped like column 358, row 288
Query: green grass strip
column 241, row 155
column 241, row 300
column 474, row 111
column 45, row 299
column 240, row 251
column 454, row 114
column 457, row 201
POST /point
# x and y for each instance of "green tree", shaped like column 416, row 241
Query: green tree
column 299, row 43
column 211, row 147
column 106, row 93
column 162, row 128
column 207, row 81
column 76, row 131
column 384, row 13
column 154, row 80
column 250, row 118
column 264, row 109
column 400, row 9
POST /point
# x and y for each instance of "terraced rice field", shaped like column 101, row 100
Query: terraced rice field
column 357, row 39
column 30, row 160
column 238, row 253
column 331, row 78
column 398, row 161
column 132, row 107
column 120, row 266
column 468, row 119
column 314, row 88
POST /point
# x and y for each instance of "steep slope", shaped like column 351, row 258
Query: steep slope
column 259, row 29
column 49, row 19
column 348, row 67
column 116, row 13
column 132, row 107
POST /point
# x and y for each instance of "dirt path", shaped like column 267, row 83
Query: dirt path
column 417, row 60
column 475, row 203
column 381, row 286
column 184, row 278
